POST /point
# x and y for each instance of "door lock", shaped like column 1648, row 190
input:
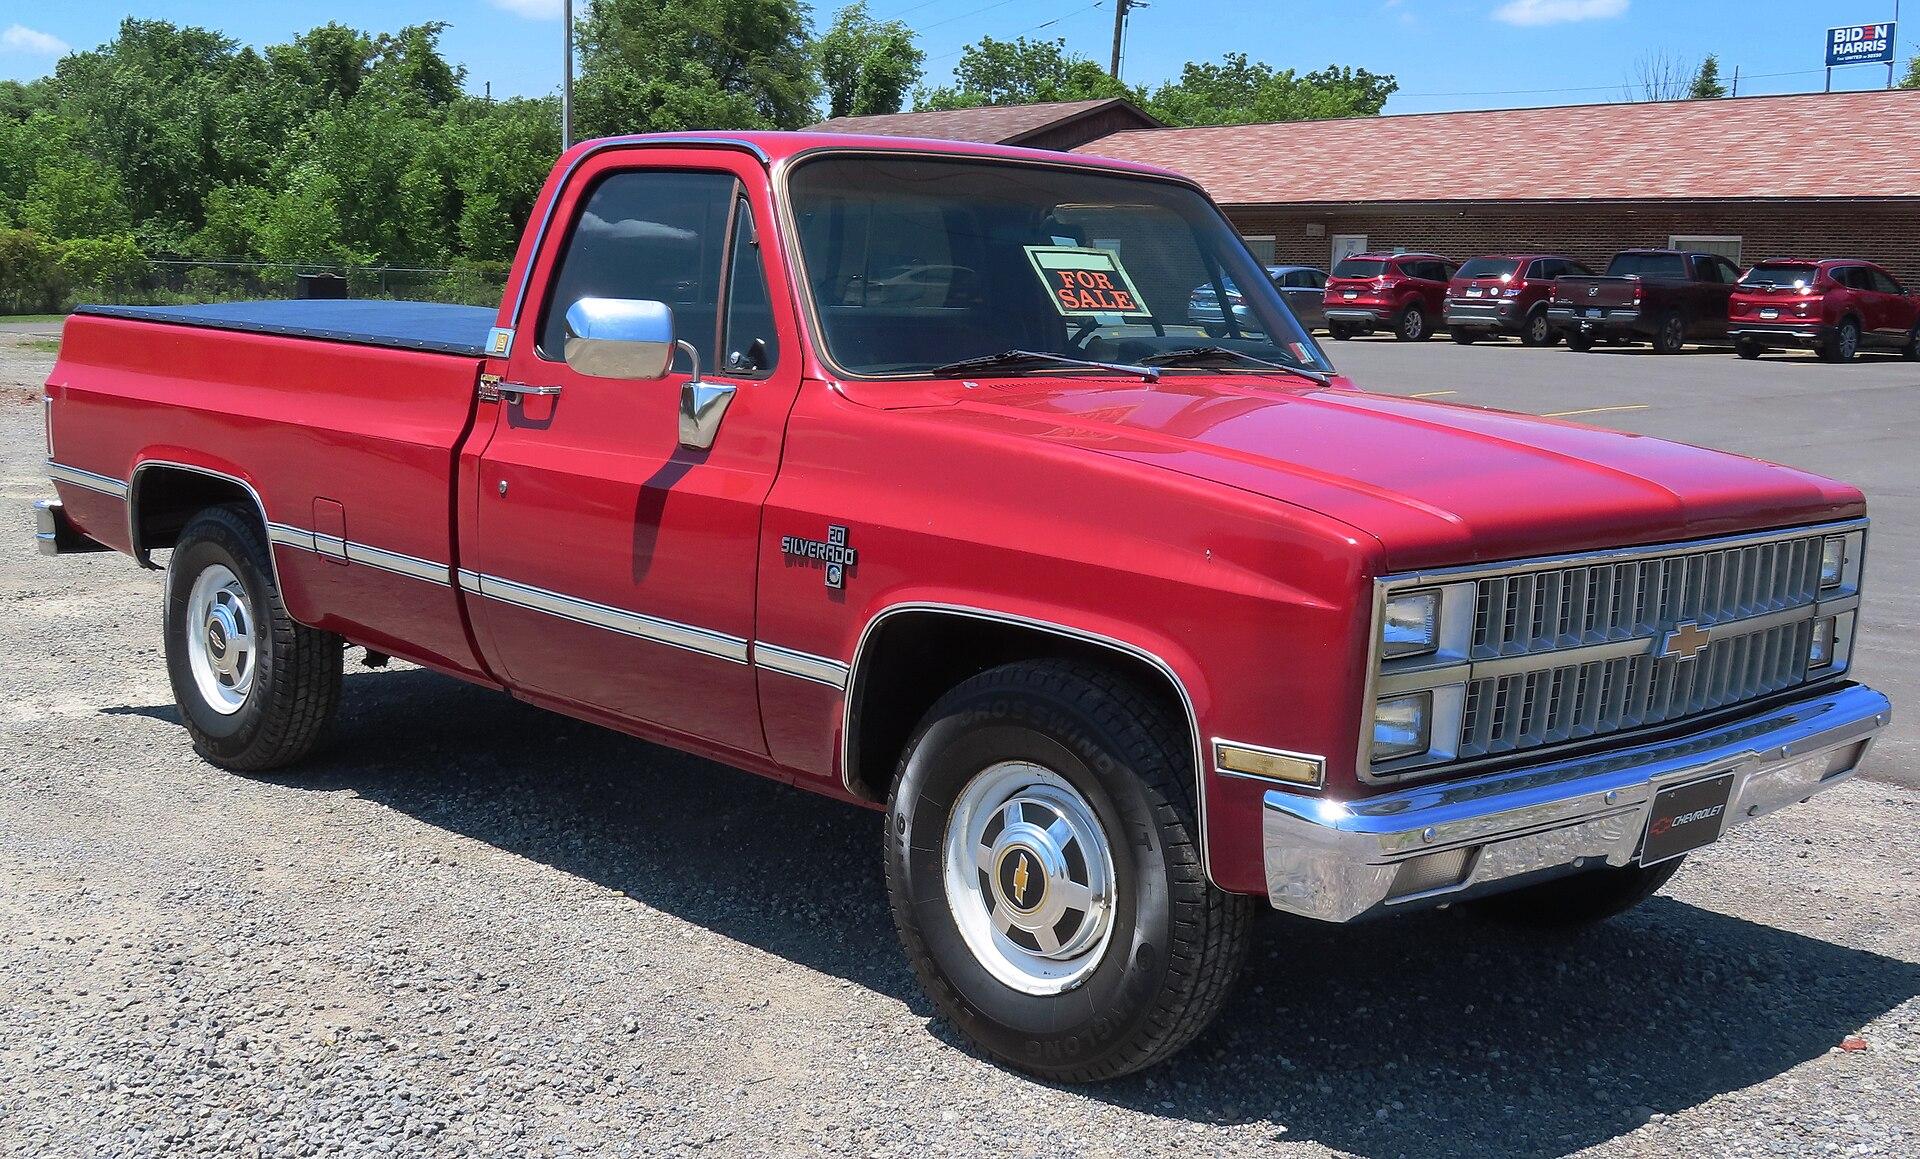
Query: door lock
column 503, row 486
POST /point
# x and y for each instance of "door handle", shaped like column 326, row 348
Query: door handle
column 493, row 388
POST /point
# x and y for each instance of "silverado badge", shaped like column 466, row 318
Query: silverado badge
column 833, row 552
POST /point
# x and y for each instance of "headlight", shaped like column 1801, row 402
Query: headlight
column 1402, row 726
column 1411, row 625
column 1833, row 561
column 1820, row 651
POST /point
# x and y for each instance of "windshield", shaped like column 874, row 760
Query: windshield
column 1488, row 268
column 1360, row 268
column 917, row 262
column 1797, row 276
column 1648, row 265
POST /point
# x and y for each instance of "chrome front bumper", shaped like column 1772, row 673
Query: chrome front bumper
column 1339, row 860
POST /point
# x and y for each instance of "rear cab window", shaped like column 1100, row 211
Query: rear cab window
column 1648, row 265
column 1489, row 268
column 1360, row 268
column 1780, row 275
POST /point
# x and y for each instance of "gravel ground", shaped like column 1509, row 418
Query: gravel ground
column 469, row 927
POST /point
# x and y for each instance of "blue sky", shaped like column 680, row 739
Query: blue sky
column 1447, row 54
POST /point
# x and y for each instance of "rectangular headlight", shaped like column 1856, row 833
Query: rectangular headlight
column 1402, row 726
column 1411, row 624
column 1833, row 561
column 1820, row 651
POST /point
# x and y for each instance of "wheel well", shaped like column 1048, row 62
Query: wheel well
column 163, row 498
column 910, row 659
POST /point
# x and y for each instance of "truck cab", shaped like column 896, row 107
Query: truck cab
column 897, row 471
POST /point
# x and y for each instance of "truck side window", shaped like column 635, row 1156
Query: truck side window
column 750, row 341
column 651, row 236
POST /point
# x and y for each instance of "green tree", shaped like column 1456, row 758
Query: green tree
column 867, row 66
column 74, row 197
column 1238, row 91
column 1019, row 72
column 323, row 64
column 1706, row 81
column 684, row 64
column 1912, row 79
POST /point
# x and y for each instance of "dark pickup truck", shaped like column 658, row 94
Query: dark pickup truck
column 1670, row 297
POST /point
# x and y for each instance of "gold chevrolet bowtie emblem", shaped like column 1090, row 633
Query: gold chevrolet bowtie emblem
column 1020, row 881
column 1684, row 642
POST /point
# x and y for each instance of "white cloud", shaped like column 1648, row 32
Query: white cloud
column 20, row 38
column 531, row 9
column 1532, row 13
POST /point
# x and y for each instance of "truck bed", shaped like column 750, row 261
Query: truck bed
column 428, row 326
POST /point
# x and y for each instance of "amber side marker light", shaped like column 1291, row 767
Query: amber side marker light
column 1269, row 764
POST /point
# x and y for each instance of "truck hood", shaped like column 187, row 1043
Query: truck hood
column 1435, row 483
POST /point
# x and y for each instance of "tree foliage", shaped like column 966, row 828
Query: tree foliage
column 1707, row 85
column 867, row 66
column 1912, row 79
column 654, row 65
column 1022, row 71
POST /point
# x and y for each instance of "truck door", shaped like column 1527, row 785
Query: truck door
column 610, row 569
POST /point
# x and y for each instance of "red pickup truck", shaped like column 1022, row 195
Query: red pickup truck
column 1668, row 297
column 894, row 470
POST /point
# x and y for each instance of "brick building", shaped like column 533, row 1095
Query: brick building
column 1814, row 175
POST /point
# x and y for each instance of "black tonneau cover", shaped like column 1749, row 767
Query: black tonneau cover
column 430, row 326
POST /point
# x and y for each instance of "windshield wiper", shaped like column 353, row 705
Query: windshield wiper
column 1016, row 361
column 1190, row 355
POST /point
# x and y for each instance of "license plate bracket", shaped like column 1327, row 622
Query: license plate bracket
column 1685, row 818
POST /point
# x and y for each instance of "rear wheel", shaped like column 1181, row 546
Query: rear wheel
column 1671, row 337
column 1579, row 341
column 1538, row 331
column 1580, row 900
column 1912, row 348
column 1844, row 344
column 254, row 688
column 1748, row 349
column 1411, row 326
column 1043, row 868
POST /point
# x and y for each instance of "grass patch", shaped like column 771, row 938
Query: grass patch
column 33, row 317
column 43, row 345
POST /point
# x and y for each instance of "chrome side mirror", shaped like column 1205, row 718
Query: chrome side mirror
column 620, row 338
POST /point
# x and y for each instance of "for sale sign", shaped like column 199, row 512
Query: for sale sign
column 1086, row 283
column 1860, row 44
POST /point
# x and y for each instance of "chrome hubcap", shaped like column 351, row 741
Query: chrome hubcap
column 1849, row 341
column 1029, row 877
column 221, row 648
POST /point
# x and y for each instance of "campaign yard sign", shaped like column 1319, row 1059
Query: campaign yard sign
column 1860, row 44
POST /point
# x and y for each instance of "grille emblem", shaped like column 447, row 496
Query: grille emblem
column 1684, row 642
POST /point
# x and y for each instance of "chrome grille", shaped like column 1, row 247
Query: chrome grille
column 1541, row 611
column 1545, row 706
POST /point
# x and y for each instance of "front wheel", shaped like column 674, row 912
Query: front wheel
column 254, row 688
column 1912, row 349
column 1748, row 349
column 1464, row 337
column 1340, row 332
column 1579, row 341
column 1581, row 900
column 1043, row 869
column 1412, row 325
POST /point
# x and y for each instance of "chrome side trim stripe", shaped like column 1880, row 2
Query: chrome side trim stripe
column 411, row 566
column 284, row 535
column 104, row 484
column 802, row 665
column 659, row 631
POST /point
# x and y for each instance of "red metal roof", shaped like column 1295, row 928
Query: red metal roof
column 1819, row 145
column 997, row 124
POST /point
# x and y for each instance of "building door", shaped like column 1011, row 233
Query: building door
column 1345, row 245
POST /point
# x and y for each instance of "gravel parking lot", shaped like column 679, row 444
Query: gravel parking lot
column 469, row 927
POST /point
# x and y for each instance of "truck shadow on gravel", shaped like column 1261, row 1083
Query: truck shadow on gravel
column 1432, row 1035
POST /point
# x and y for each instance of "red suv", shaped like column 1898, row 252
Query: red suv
column 1405, row 293
column 1837, row 307
column 1506, row 294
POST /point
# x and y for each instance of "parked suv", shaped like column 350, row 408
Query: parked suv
column 1301, row 287
column 1404, row 293
column 1835, row 307
column 1506, row 294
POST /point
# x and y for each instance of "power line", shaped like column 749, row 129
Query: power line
column 1023, row 31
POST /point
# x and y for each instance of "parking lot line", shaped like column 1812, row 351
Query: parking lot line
column 1432, row 393
column 1595, row 410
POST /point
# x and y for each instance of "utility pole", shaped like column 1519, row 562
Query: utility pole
column 1120, row 10
column 566, row 77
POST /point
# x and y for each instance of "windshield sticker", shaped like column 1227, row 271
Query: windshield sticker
column 1087, row 283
